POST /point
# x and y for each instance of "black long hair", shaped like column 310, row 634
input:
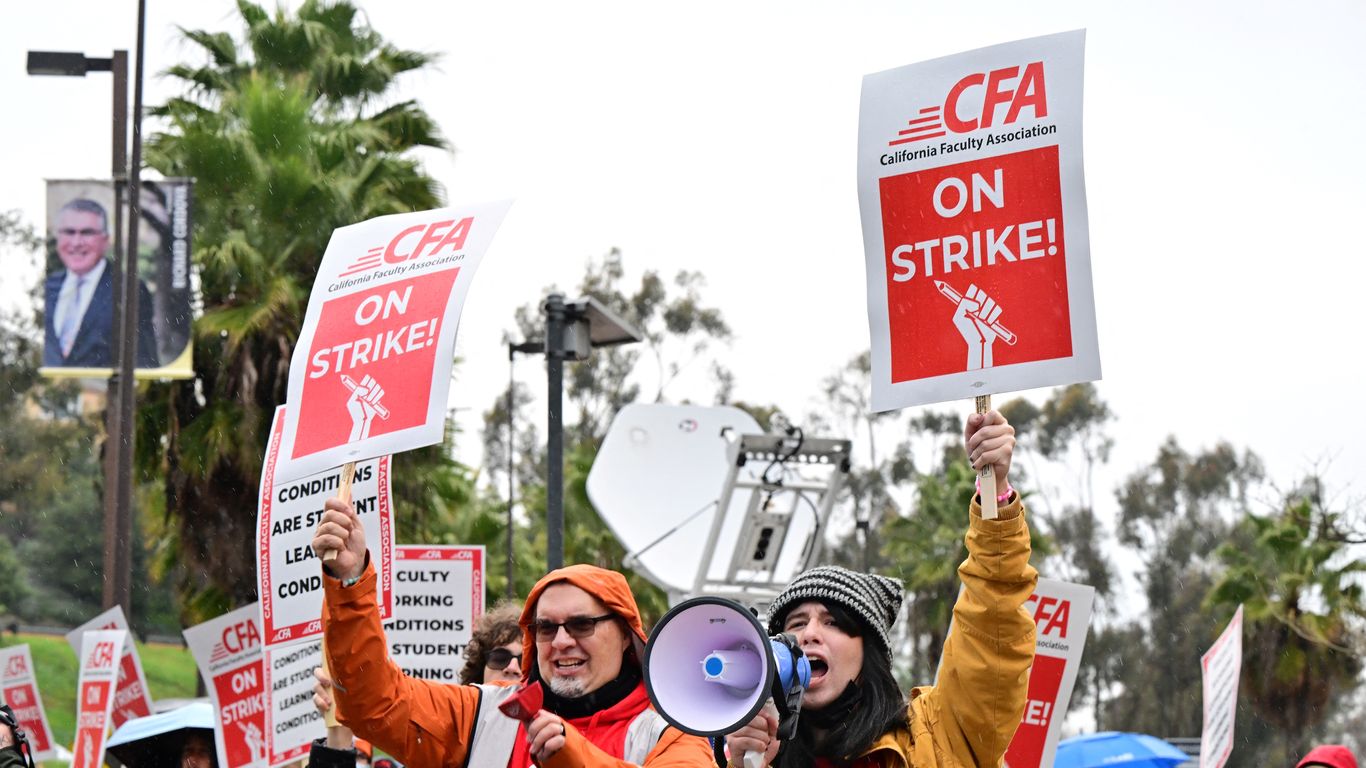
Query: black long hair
column 869, row 707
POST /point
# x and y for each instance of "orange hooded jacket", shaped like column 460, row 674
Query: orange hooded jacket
column 427, row 724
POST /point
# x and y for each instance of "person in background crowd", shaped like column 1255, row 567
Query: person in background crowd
column 582, row 641
column 14, row 748
column 197, row 751
column 1329, row 755
column 853, row 713
column 494, row 653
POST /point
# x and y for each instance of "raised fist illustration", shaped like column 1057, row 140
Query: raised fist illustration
column 364, row 405
column 973, row 317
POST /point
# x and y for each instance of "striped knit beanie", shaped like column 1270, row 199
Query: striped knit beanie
column 874, row 599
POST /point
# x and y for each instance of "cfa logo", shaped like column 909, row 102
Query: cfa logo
column 409, row 245
column 974, row 102
column 102, row 656
column 240, row 636
column 16, row 666
column 431, row 554
column 1051, row 614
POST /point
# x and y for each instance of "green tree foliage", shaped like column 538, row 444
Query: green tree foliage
column 1174, row 513
column 1302, row 598
column 679, row 332
column 290, row 131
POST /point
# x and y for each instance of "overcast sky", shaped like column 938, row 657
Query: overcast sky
column 1224, row 168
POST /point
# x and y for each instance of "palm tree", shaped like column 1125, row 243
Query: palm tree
column 1302, row 597
column 288, row 134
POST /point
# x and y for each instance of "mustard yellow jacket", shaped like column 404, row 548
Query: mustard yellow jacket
column 970, row 716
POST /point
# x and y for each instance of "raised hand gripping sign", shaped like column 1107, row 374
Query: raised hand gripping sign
column 19, row 689
column 228, row 652
column 973, row 206
column 371, row 369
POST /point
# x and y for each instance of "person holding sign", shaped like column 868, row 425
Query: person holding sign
column 582, row 644
column 854, row 713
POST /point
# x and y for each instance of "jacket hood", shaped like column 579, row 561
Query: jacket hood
column 610, row 589
column 1334, row 755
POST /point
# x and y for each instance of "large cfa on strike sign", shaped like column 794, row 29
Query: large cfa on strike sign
column 973, row 203
column 371, row 369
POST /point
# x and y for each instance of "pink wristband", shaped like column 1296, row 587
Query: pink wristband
column 1001, row 498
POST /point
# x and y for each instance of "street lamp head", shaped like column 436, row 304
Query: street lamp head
column 65, row 64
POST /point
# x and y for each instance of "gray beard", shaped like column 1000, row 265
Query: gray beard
column 569, row 689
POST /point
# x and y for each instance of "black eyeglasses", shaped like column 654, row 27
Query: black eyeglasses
column 500, row 658
column 577, row 627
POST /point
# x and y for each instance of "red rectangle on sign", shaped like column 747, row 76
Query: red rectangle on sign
column 23, row 699
column 966, row 240
column 242, row 707
column 1045, row 678
column 371, row 363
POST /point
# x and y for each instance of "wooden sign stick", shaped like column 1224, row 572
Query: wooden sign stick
column 986, row 478
column 343, row 493
column 336, row 732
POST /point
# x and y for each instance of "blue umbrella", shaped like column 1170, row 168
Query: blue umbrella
column 156, row 740
column 1112, row 749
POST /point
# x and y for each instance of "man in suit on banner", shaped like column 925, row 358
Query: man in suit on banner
column 79, row 300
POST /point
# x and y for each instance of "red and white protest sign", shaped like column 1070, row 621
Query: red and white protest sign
column 1220, row 668
column 228, row 652
column 438, row 593
column 292, row 722
column 132, row 699
column 973, row 204
column 1062, row 616
column 372, row 366
column 289, row 577
column 99, row 653
column 19, row 689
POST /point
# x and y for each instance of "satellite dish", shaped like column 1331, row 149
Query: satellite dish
column 656, row 480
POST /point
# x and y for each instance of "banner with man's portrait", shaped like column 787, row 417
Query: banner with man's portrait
column 80, row 285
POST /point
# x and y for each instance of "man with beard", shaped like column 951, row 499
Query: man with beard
column 582, row 639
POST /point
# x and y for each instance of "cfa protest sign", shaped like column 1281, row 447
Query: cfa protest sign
column 19, row 689
column 289, row 577
column 99, row 653
column 132, row 698
column 1062, row 616
column 1220, row 668
column 227, row 651
column 973, row 207
column 438, row 593
column 372, row 365
column 292, row 722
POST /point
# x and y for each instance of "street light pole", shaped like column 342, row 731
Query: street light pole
column 117, row 533
column 554, row 371
column 127, row 346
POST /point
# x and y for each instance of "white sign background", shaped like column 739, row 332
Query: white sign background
column 438, row 593
column 888, row 99
column 365, row 257
column 100, row 654
column 292, row 722
column 289, row 577
column 132, row 699
column 228, row 652
column 1220, row 668
column 19, row 689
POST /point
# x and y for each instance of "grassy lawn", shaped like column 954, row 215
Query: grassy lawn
column 170, row 671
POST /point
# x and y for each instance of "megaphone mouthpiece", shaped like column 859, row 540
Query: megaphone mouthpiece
column 739, row 669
